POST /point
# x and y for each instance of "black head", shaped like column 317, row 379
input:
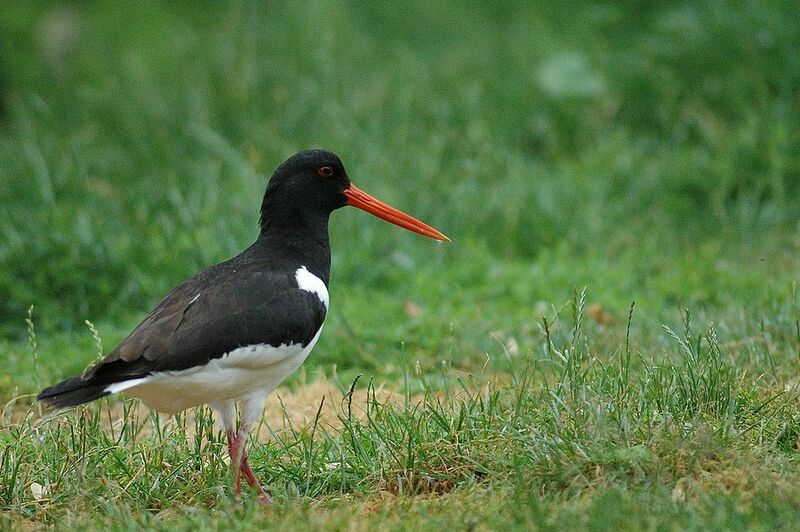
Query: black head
column 309, row 183
column 309, row 186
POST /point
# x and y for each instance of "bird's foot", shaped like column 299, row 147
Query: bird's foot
column 240, row 464
column 263, row 498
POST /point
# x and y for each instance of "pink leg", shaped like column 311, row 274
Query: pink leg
column 263, row 498
column 237, row 447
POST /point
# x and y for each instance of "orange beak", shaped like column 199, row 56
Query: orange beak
column 358, row 198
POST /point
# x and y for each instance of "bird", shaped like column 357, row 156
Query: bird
column 232, row 333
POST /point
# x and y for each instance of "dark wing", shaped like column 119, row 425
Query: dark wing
column 201, row 320
column 194, row 325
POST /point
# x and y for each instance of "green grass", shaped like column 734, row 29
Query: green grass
column 650, row 154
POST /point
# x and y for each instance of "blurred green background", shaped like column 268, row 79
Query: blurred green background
column 649, row 151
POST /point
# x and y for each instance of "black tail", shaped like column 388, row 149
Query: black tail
column 72, row 392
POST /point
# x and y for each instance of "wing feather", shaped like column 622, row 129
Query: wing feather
column 200, row 320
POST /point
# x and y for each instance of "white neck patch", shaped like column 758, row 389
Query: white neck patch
column 311, row 283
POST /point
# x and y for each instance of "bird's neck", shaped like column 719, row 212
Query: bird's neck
column 299, row 240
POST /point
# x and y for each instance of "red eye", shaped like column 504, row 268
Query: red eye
column 326, row 171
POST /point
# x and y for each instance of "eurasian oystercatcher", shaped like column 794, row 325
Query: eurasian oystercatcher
column 236, row 330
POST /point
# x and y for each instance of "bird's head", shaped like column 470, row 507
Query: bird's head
column 315, row 181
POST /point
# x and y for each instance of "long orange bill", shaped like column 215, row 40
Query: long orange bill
column 358, row 198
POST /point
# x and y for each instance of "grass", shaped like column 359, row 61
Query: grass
column 647, row 154
column 534, row 440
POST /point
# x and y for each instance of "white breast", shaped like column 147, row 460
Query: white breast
column 228, row 377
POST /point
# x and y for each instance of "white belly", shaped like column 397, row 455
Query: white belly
column 228, row 377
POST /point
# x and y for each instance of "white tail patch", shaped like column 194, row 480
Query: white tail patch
column 311, row 283
column 124, row 385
